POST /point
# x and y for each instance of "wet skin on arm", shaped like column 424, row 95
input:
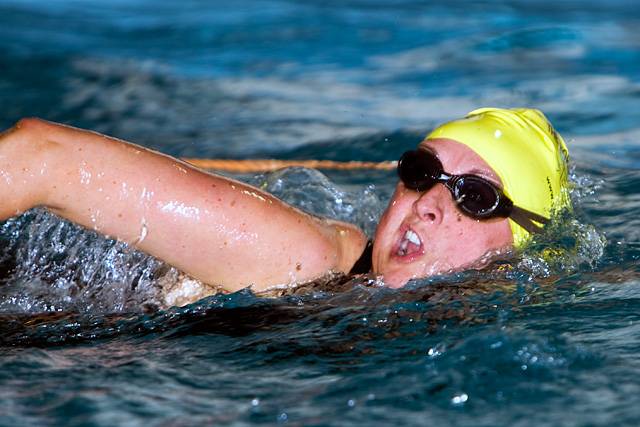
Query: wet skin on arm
column 215, row 229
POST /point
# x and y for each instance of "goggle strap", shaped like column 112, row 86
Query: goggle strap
column 525, row 219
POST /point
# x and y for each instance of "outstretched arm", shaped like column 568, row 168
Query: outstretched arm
column 216, row 229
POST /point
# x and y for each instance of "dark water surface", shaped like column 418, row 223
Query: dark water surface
column 543, row 340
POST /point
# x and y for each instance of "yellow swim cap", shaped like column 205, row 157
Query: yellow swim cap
column 525, row 151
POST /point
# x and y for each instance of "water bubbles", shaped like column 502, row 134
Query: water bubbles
column 143, row 232
column 533, row 354
column 583, row 186
column 283, row 417
column 459, row 399
column 85, row 176
column 255, row 402
column 437, row 350
column 351, row 403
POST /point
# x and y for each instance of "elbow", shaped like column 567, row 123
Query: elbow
column 28, row 122
column 31, row 124
column 25, row 126
column 30, row 133
column 28, row 143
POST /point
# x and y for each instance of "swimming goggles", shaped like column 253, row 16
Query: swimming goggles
column 420, row 170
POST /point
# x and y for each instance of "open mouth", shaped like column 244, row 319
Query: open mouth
column 409, row 244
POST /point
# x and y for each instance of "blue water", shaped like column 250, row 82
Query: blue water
column 541, row 340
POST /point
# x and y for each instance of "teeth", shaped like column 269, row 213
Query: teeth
column 402, row 250
column 409, row 236
column 412, row 237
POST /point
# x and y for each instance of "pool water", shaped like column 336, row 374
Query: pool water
column 539, row 340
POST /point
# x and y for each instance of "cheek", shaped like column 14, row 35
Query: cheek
column 478, row 238
column 399, row 207
column 498, row 235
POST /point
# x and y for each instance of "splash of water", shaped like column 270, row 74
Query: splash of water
column 50, row 264
column 311, row 191
column 569, row 241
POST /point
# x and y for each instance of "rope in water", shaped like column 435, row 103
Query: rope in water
column 267, row 165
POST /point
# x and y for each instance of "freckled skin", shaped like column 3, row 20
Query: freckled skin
column 229, row 235
column 452, row 241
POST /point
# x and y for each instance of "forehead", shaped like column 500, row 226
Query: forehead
column 459, row 159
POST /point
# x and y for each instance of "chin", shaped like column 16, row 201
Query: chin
column 395, row 281
column 398, row 277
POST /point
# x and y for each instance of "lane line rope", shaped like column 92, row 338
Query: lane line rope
column 267, row 165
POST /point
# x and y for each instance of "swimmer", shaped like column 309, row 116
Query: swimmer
column 474, row 189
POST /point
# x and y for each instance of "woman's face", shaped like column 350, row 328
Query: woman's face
column 422, row 234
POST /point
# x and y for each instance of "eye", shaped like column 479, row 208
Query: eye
column 476, row 195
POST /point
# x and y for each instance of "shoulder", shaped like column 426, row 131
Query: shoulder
column 351, row 242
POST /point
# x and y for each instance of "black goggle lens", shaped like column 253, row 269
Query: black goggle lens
column 476, row 196
column 420, row 170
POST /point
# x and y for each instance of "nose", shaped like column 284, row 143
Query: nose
column 430, row 206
